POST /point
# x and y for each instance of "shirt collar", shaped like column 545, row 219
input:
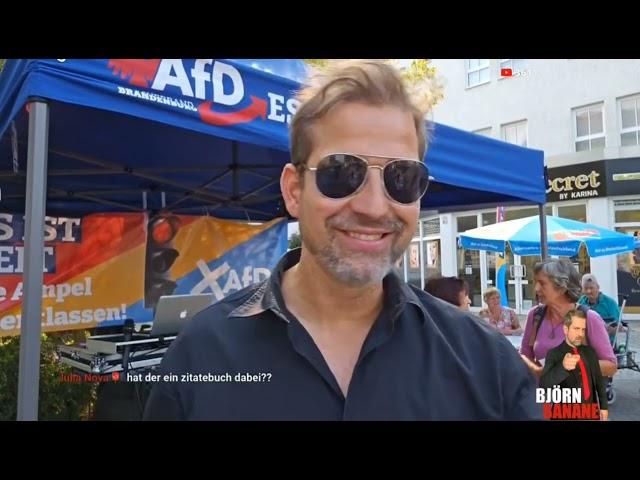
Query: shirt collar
column 268, row 294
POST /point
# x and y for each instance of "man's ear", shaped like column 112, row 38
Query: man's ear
column 291, row 187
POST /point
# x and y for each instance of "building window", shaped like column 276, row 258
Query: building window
column 515, row 133
column 485, row 132
column 513, row 64
column 577, row 212
column 627, row 220
column 477, row 71
column 431, row 255
column 589, row 127
column 431, row 227
column 630, row 121
column 489, row 218
column 516, row 213
column 412, row 260
column 573, row 212
column 627, row 212
column 469, row 260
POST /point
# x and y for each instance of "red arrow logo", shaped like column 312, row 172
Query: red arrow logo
column 140, row 72
column 258, row 108
column 568, row 234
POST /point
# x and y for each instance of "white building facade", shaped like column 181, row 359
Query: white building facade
column 585, row 116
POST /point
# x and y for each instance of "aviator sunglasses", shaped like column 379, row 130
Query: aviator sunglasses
column 341, row 175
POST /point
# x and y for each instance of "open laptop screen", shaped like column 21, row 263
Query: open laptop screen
column 174, row 311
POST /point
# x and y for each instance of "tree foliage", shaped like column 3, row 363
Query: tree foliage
column 295, row 241
column 58, row 400
column 420, row 76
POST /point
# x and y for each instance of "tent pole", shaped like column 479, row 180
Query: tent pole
column 30, row 330
column 186, row 196
column 273, row 182
column 544, row 249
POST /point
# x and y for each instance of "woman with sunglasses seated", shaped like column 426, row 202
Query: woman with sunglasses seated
column 450, row 289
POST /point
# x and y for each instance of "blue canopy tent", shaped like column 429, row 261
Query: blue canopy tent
column 113, row 136
column 192, row 136
column 110, row 140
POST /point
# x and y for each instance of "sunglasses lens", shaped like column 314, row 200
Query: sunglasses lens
column 406, row 181
column 340, row 175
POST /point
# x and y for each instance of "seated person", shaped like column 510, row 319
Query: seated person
column 450, row 289
column 501, row 318
column 606, row 306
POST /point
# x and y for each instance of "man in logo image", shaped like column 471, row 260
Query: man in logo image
column 339, row 334
column 574, row 364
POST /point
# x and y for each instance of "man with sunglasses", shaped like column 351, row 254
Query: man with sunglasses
column 338, row 333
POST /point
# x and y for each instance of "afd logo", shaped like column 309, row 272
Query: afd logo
column 208, row 82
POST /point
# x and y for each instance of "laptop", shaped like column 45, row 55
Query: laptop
column 174, row 311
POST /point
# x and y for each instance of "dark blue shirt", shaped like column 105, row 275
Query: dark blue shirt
column 423, row 359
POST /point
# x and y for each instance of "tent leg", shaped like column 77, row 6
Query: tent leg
column 30, row 330
column 544, row 248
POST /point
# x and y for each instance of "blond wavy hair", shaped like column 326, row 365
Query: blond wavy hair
column 371, row 82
